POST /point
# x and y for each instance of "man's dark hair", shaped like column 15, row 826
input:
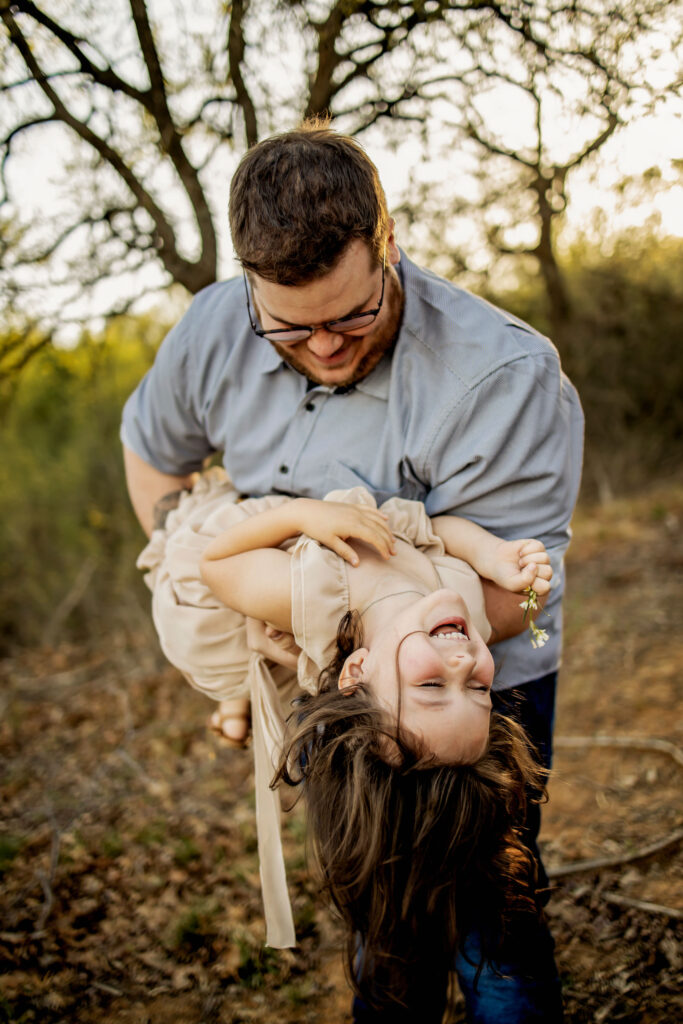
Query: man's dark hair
column 299, row 198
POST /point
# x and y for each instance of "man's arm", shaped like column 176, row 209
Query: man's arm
column 504, row 612
column 147, row 487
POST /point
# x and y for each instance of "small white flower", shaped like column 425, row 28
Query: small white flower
column 539, row 637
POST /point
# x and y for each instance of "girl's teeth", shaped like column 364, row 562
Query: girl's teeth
column 450, row 636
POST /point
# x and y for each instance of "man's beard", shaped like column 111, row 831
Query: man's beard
column 383, row 341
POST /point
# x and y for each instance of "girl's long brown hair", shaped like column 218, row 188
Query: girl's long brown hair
column 410, row 852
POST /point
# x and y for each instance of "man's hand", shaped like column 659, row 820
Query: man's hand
column 272, row 643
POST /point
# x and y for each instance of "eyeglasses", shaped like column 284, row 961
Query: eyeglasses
column 295, row 333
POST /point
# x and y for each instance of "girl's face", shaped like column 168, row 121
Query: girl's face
column 431, row 653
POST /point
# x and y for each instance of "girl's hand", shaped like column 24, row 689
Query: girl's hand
column 518, row 564
column 332, row 523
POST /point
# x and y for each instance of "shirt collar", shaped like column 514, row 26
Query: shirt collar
column 376, row 384
column 270, row 359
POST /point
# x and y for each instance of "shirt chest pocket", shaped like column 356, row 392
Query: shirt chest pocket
column 382, row 485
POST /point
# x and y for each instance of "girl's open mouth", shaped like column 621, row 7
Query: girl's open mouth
column 453, row 629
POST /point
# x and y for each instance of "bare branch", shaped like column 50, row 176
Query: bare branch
column 473, row 132
column 236, row 56
column 8, row 86
column 103, row 76
column 18, row 350
column 612, row 124
column 192, row 275
column 44, row 254
column 644, row 905
column 6, row 144
column 172, row 144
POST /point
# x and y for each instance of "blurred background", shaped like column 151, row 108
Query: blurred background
column 532, row 152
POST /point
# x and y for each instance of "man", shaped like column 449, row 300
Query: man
column 335, row 361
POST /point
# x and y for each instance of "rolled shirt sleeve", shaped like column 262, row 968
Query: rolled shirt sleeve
column 160, row 420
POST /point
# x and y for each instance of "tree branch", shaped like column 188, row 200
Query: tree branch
column 235, row 57
column 648, row 908
column 103, row 76
column 612, row 125
column 172, row 144
column 6, row 144
column 193, row 275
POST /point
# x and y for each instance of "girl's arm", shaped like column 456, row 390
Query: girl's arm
column 507, row 569
column 514, row 565
column 246, row 570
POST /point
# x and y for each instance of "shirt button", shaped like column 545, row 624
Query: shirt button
column 284, row 469
column 310, row 406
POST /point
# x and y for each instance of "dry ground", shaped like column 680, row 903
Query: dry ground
column 127, row 847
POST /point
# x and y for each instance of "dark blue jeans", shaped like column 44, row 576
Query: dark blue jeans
column 523, row 987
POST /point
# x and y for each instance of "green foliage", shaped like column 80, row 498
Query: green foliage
column 112, row 844
column 186, row 850
column 193, row 929
column 68, row 538
column 152, row 834
column 9, row 1014
column 623, row 352
column 9, row 848
column 628, row 349
column 256, row 962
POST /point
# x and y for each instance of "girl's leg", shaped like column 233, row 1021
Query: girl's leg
column 232, row 721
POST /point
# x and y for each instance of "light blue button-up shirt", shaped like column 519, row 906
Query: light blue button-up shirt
column 470, row 414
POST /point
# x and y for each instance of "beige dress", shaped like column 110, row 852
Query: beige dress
column 208, row 642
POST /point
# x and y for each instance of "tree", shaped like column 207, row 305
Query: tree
column 580, row 73
column 157, row 112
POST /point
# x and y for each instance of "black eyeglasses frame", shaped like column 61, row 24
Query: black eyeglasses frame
column 333, row 326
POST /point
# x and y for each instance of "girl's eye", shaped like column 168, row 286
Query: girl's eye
column 432, row 682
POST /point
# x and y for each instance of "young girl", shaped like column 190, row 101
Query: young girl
column 405, row 598
column 407, row 687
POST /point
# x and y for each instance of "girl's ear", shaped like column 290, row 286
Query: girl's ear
column 352, row 671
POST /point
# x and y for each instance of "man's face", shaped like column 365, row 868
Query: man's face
column 353, row 285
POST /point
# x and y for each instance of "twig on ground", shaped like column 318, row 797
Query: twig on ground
column 650, row 908
column 629, row 742
column 109, row 989
column 46, row 880
column 153, row 787
column 632, row 743
column 61, row 684
column 582, row 866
